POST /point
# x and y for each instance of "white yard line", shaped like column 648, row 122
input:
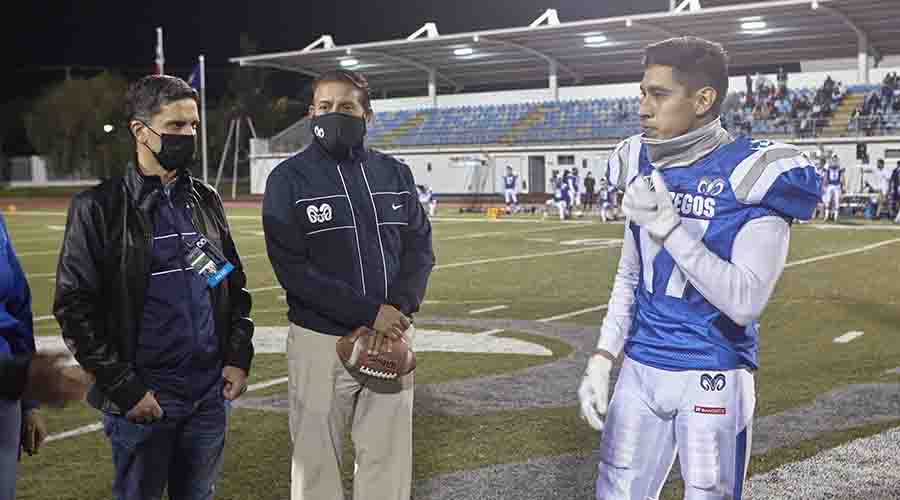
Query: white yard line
column 488, row 309
column 475, row 263
column 40, row 275
column 96, row 426
column 516, row 257
column 573, row 313
column 800, row 262
column 8, row 214
column 490, row 332
column 841, row 254
column 85, row 429
column 31, row 254
column 515, row 221
column 847, row 337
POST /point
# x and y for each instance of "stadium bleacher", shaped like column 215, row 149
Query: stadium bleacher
column 556, row 121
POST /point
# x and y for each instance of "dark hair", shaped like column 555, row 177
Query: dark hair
column 347, row 76
column 148, row 95
column 696, row 62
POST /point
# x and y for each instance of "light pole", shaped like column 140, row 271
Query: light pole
column 108, row 128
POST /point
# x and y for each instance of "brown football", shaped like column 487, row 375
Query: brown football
column 395, row 359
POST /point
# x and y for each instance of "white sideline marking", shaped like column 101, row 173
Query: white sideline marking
column 490, row 332
column 501, row 233
column 573, row 313
column 848, row 337
column 541, row 240
column 53, row 227
column 487, row 309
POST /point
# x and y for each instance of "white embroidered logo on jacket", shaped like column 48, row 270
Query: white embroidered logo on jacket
column 321, row 213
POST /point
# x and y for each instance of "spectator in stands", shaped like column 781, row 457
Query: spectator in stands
column 887, row 97
column 872, row 103
column 782, row 82
column 828, row 85
column 838, row 93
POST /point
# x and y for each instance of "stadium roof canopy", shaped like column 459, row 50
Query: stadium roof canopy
column 763, row 33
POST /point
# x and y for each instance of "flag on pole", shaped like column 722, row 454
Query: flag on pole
column 160, row 59
column 194, row 78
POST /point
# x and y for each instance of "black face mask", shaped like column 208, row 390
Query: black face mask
column 338, row 133
column 177, row 150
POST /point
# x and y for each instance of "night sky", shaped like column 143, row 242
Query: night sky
column 121, row 35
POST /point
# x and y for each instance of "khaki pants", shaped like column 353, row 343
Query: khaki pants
column 324, row 398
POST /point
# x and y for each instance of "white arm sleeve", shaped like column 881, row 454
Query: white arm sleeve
column 740, row 288
column 620, row 311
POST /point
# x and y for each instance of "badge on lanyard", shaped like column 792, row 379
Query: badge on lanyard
column 207, row 260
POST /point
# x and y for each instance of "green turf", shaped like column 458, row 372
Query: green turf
column 813, row 303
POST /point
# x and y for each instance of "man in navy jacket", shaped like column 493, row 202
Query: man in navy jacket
column 351, row 245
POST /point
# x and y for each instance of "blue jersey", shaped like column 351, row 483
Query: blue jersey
column 603, row 194
column 674, row 327
column 572, row 182
column 509, row 181
column 833, row 175
column 561, row 190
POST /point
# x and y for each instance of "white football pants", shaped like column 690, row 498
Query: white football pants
column 703, row 417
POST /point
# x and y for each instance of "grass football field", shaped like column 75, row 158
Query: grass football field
column 839, row 279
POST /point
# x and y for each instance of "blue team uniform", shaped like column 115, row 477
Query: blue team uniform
column 833, row 175
column 675, row 327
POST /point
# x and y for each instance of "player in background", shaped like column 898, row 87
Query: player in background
column 510, row 185
column 561, row 196
column 603, row 199
column 708, row 226
column 821, row 168
column 571, row 178
column 590, row 191
column 427, row 199
column 835, row 183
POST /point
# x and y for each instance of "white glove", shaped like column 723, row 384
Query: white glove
column 594, row 391
column 652, row 210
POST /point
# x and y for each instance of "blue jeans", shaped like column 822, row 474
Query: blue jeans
column 182, row 450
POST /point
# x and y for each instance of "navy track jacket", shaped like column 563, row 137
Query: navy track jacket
column 345, row 238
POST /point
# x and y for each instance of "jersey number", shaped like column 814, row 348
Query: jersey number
column 677, row 281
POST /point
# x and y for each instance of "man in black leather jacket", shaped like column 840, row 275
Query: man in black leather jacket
column 151, row 300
